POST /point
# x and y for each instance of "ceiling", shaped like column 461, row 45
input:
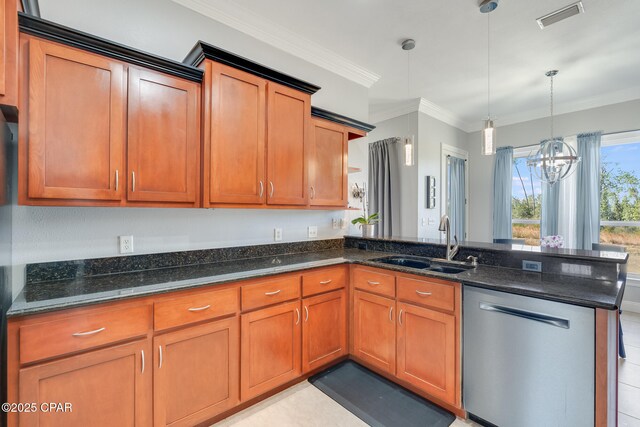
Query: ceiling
column 597, row 53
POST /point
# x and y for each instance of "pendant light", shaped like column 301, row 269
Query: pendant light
column 555, row 159
column 409, row 140
column 489, row 130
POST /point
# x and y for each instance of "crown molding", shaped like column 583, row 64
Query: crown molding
column 598, row 101
column 248, row 22
column 423, row 106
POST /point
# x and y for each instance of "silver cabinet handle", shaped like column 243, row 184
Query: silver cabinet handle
column 423, row 294
column 271, row 186
column 306, row 313
column 84, row 334
column 325, row 282
column 117, row 180
column 537, row 317
column 391, row 313
column 204, row 307
column 160, row 356
column 298, row 314
column 133, row 181
column 400, row 316
column 261, row 188
column 313, row 192
column 273, row 293
column 142, row 358
column 373, row 283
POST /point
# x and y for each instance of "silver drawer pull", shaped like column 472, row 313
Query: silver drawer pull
column 200, row 308
column 400, row 316
column 84, row 334
column 261, row 189
column 117, row 180
column 373, row 283
column 423, row 294
column 391, row 313
column 160, row 356
column 298, row 315
column 142, row 358
column 325, row 282
column 273, row 293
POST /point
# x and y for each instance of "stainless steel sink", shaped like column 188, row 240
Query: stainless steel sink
column 411, row 262
column 420, row 263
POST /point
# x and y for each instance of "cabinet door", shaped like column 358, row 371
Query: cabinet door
column 76, row 124
column 8, row 54
column 163, row 142
column 270, row 352
column 234, row 158
column 374, row 330
column 289, row 113
column 426, row 350
column 328, row 165
column 196, row 373
column 324, row 329
column 110, row 387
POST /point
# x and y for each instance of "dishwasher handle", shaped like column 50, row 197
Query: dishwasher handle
column 543, row 318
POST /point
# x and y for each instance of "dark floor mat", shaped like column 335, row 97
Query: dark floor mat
column 376, row 400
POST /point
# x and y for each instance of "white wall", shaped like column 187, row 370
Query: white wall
column 611, row 118
column 165, row 28
column 433, row 133
column 429, row 134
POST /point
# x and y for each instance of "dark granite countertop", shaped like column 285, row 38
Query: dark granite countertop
column 62, row 294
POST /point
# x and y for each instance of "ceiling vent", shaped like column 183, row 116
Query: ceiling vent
column 561, row 14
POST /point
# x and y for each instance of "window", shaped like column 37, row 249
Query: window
column 525, row 199
column 619, row 194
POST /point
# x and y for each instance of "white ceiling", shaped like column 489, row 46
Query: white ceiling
column 597, row 53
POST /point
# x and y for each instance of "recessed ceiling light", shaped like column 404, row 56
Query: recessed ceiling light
column 561, row 14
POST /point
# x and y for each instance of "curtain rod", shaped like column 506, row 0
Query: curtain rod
column 449, row 155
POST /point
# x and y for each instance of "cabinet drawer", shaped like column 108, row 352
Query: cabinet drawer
column 270, row 291
column 374, row 281
column 195, row 308
column 80, row 332
column 323, row 280
column 427, row 292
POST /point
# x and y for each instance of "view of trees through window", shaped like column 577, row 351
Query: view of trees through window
column 619, row 200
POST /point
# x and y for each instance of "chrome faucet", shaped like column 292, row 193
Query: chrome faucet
column 445, row 226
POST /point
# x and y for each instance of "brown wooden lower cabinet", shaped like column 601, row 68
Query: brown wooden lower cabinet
column 374, row 330
column 426, row 350
column 324, row 329
column 109, row 387
column 196, row 373
column 270, row 348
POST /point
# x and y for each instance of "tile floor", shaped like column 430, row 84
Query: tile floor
column 305, row 405
column 629, row 373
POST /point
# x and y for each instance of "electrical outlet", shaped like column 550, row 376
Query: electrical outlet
column 532, row 266
column 126, row 244
column 432, row 221
column 277, row 234
column 335, row 223
column 424, row 221
column 313, row 231
column 343, row 223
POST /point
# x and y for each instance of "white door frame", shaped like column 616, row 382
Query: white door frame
column 450, row 150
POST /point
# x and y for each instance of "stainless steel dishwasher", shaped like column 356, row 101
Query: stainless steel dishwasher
column 527, row 362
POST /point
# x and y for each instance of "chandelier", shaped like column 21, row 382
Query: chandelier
column 555, row 160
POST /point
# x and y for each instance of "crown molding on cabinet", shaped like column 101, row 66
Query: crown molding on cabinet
column 343, row 120
column 202, row 51
column 31, row 7
column 248, row 22
column 58, row 33
column 419, row 105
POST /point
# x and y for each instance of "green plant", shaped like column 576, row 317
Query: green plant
column 366, row 220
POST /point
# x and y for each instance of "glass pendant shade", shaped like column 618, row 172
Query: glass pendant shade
column 408, row 150
column 489, row 138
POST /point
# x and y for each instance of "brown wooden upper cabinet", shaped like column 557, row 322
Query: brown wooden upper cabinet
column 328, row 164
column 235, row 136
column 256, row 133
column 98, row 131
column 163, row 143
column 75, row 129
column 8, row 58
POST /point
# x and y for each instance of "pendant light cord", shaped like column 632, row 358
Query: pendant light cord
column 408, row 86
column 488, row 66
column 552, row 107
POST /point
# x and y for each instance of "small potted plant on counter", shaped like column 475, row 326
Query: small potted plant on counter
column 367, row 223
